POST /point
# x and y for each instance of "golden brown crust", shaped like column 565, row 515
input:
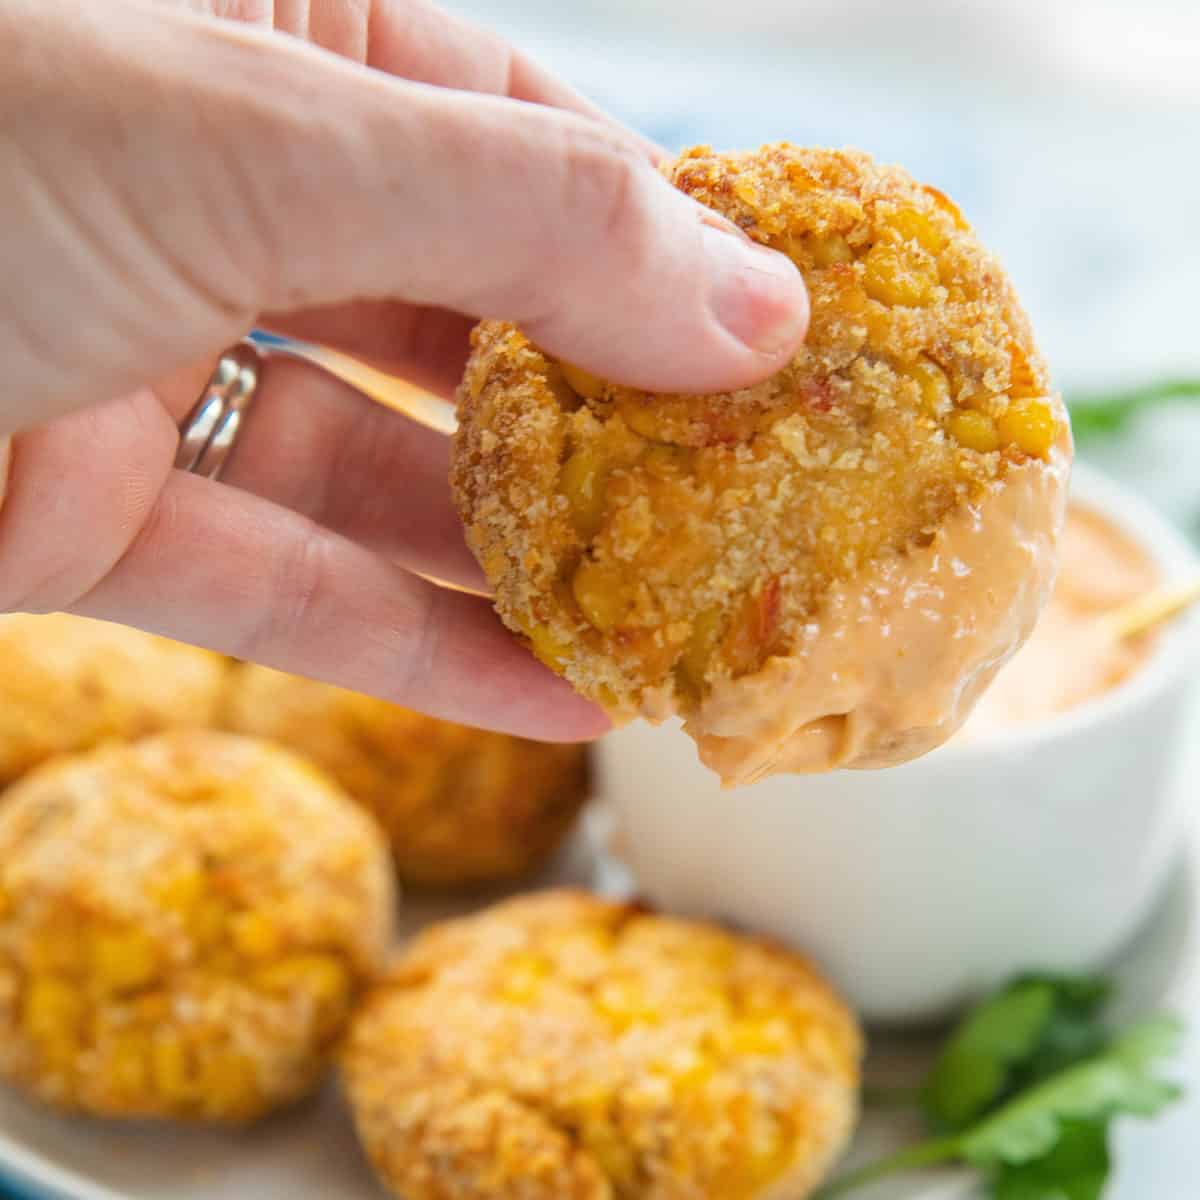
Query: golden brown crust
column 654, row 548
column 461, row 806
column 68, row 684
column 564, row 1046
column 183, row 925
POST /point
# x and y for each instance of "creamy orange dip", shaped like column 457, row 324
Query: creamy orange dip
column 1069, row 660
column 896, row 659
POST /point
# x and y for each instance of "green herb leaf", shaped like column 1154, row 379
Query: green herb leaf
column 1027, row 1031
column 1110, row 412
column 1031, row 1141
column 973, row 1068
column 1076, row 1169
column 1074, row 1032
column 1120, row 1080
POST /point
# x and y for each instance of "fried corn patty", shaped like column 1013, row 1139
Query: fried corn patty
column 564, row 1047
column 460, row 806
column 184, row 924
column 821, row 570
column 68, row 684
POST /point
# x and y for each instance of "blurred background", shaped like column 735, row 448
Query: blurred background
column 1067, row 130
column 1069, row 133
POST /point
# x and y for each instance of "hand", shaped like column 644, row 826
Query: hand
column 170, row 178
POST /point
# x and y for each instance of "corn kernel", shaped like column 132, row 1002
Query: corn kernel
column 58, row 947
column 228, row 1083
column 643, row 416
column 524, row 975
column 758, row 1037
column 891, row 279
column 914, row 225
column 322, row 978
column 123, row 960
column 208, row 921
column 1030, row 425
column 666, row 462
column 975, row 431
column 183, row 891
column 830, row 250
column 693, row 1073
column 745, row 190
column 53, row 1010
column 256, row 935
column 622, row 1003
column 590, row 386
column 770, row 1153
column 548, row 647
column 934, row 385
column 153, row 1008
column 582, row 481
column 599, row 592
column 128, row 1065
column 612, row 1150
column 5, row 903
column 693, row 662
column 318, row 974
column 170, row 1068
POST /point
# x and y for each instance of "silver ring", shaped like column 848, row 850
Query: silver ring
column 208, row 433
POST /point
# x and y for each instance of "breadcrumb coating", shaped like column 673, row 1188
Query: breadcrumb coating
column 460, row 806
column 564, row 1047
column 655, row 549
column 69, row 684
column 184, row 924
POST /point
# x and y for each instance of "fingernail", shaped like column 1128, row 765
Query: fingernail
column 757, row 294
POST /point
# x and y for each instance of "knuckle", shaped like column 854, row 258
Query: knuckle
column 602, row 229
column 604, row 187
column 424, row 638
column 299, row 581
column 51, row 556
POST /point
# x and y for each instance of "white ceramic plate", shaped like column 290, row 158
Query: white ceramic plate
column 310, row 1152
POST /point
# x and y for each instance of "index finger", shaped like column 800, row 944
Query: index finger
column 221, row 568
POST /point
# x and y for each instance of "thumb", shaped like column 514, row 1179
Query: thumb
column 172, row 176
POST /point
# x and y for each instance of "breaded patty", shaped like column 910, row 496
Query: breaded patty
column 184, row 924
column 460, row 806
column 68, row 684
column 820, row 570
column 564, row 1047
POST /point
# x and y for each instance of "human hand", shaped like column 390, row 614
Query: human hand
column 170, row 178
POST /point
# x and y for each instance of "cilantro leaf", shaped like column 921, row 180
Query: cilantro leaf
column 1037, row 1135
column 1026, row 1031
column 1076, row 1169
column 973, row 1068
column 1075, row 1031
column 1120, row 1080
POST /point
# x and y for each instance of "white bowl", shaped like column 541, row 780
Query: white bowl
column 919, row 886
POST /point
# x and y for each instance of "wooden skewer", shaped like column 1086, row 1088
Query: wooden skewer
column 1151, row 609
column 404, row 398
